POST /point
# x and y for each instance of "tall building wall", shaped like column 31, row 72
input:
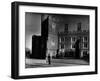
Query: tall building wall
column 39, row 47
column 52, row 36
column 50, row 31
column 69, row 41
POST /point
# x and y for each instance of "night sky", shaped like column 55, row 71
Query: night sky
column 33, row 25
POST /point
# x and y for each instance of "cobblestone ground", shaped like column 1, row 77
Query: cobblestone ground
column 56, row 63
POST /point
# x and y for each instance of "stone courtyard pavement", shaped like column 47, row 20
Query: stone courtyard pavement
column 33, row 63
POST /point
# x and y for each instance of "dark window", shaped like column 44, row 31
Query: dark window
column 73, row 39
column 85, row 38
column 79, row 26
column 62, row 39
column 66, row 38
column 73, row 45
column 62, row 46
column 66, row 27
column 85, row 45
column 84, row 53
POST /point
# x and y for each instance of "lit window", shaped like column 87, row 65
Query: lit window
column 53, row 25
column 59, row 39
